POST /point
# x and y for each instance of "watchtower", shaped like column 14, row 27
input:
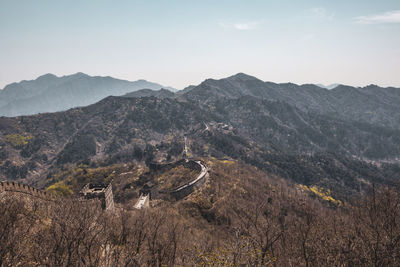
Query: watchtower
column 100, row 191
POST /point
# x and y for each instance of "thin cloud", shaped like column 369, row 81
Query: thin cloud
column 246, row 26
column 321, row 13
column 241, row 26
column 387, row 17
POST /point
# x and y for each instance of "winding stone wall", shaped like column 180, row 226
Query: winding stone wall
column 188, row 188
column 165, row 167
column 8, row 186
column 106, row 202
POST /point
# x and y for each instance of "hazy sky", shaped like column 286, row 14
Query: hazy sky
column 182, row 42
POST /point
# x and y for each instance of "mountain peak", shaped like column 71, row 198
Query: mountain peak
column 242, row 76
column 80, row 74
column 329, row 87
column 47, row 76
column 49, row 93
column 372, row 86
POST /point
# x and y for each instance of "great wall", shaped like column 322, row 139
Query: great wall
column 90, row 193
column 152, row 192
column 103, row 192
column 184, row 190
column 7, row 186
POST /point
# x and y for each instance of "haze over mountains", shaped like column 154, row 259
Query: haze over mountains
column 162, row 93
column 290, row 167
column 49, row 93
column 281, row 160
column 304, row 133
column 371, row 104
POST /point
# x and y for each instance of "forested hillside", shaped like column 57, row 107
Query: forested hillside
column 294, row 175
column 241, row 217
column 303, row 146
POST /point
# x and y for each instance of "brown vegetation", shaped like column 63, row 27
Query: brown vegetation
column 240, row 217
column 176, row 177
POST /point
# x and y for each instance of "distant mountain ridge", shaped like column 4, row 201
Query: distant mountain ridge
column 329, row 87
column 304, row 133
column 268, row 134
column 162, row 93
column 49, row 93
column 370, row 104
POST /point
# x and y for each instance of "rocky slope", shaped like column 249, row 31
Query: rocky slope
column 370, row 104
column 302, row 133
column 275, row 136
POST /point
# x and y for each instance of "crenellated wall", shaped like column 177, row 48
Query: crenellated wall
column 106, row 200
column 107, row 194
column 8, row 186
column 103, row 193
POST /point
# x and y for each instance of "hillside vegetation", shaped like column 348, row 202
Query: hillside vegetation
column 308, row 149
column 295, row 176
column 241, row 217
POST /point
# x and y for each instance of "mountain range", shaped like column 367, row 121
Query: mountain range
column 370, row 104
column 49, row 93
column 342, row 139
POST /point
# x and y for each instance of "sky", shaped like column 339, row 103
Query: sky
column 182, row 42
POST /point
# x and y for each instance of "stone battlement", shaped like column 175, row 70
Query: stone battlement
column 103, row 192
column 90, row 193
column 8, row 186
